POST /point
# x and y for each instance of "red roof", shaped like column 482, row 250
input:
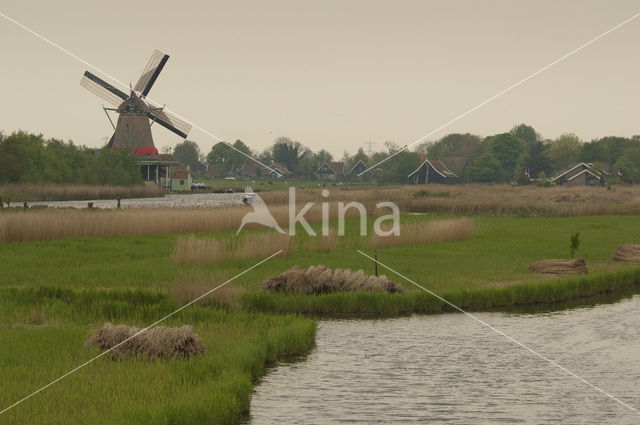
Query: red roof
column 180, row 173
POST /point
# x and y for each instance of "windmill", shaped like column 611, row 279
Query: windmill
column 135, row 115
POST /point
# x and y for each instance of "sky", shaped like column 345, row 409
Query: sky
column 332, row 75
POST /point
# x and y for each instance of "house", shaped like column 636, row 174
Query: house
column 358, row 168
column 330, row 171
column 180, row 179
column 581, row 174
column 253, row 169
column 432, row 171
column 278, row 171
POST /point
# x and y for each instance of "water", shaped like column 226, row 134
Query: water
column 167, row 201
column 451, row 369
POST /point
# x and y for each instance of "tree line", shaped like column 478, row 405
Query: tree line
column 30, row 158
column 518, row 155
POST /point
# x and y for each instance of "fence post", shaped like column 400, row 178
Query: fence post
column 375, row 256
column 25, row 206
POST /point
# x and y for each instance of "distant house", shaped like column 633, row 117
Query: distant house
column 278, row 171
column 330, row 171
column 432, row 171
column 177, row 178
column 253, row 169
column 356, row 169
column 581, row 174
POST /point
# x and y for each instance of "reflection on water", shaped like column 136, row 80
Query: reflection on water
column 167, row 201
column 450, row 369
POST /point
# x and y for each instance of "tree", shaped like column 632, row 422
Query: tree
column 398, row 168
column 507, row 149
column 321, row 157
column 535, row 159
column 607, row 149
column 227, row 159
column 487, row 169
column 286, row 152
column 188, row 153
column 564, row 150
column 526, row 133
column 359, row 156
column 629, row 165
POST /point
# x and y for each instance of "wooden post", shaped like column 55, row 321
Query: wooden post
column 1, row 205
column 25, row 206
column 375, row 256
column 90, row 205
column 118, row 199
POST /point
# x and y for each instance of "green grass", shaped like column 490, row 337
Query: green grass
column 52, row 294
column 215, row 388
column 498, row 253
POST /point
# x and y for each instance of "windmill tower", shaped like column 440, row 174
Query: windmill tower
column 135, row 116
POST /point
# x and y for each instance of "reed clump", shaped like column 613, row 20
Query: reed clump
column 426, row 232
column 188, row 288
column 629, row 253
column 191, row 249
column 559, row 267
column 157, row 342
column 72, row 192
column 320, row 279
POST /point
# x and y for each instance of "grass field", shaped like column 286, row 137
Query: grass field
column 53, row 293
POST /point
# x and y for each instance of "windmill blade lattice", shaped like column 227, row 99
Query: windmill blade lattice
column 151, row 72
column 171, row 122
column 102, row 89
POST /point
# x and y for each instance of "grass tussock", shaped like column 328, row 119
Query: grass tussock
column 426, row 232
column 559, row 267
column 323, row 280
column 191, row 287
column 191, row 249
column 157, row 342
column 74, row 192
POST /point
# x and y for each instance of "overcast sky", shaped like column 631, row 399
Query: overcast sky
column 330, row 74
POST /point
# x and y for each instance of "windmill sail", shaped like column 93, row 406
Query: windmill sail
column 171, row 122
column 102, row 89
column 151, row 72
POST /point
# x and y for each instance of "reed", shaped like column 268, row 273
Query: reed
column 192, row 286
column 71, row 192
column 426, row 232
column 191, row 249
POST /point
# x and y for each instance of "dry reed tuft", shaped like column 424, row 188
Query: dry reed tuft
column 432, row 231
column 159, row 341
column 323, row 280
column 324, row 243
column 559, row 267
column 191, row 249
column 629, row 253
column 69, row 192
column 189, row 288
